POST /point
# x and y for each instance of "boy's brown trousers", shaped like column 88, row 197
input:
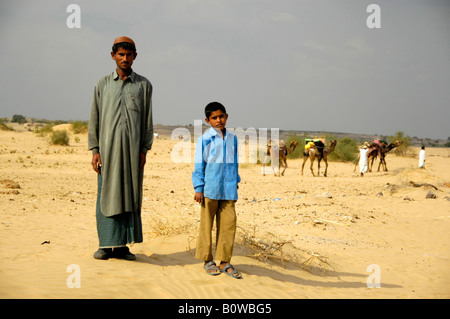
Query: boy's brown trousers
column 225, row 214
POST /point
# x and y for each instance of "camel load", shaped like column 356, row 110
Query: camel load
column 318, row 143
column 315, row 148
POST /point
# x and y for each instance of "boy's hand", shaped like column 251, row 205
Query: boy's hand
column 198, row 197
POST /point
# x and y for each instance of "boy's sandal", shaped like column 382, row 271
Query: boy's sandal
column 212, row 269
column 233, row 273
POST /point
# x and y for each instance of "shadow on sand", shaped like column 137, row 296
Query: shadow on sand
column 274, row 270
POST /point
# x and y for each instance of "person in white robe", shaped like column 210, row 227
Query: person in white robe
column 422, row 157
column 363, row 160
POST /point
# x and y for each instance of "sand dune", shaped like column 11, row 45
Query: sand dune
column 330, row 229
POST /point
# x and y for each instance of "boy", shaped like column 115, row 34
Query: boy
column 120, row 134
column 215, row 181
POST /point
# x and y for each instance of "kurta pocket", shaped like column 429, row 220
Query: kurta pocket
column 134, row 103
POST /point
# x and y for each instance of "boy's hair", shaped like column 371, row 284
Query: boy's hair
column 214, row 106
column 123, row 45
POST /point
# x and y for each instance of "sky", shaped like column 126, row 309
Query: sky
column 307, row 65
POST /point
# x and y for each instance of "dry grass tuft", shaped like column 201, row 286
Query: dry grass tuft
column 283, row 251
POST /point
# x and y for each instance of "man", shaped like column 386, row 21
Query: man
column 422, row 157
column 120, row 134
column 363, row 159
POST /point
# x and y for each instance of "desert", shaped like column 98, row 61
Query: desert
column 299, row 237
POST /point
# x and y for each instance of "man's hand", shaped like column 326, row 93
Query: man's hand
column 198, row 197
column 142, row 160
column 96, row 162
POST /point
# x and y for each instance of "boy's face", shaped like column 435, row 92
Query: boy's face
column 217, row 120
column 124, row 58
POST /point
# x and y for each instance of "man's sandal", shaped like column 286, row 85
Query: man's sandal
column 233, row 273
column 211, row 268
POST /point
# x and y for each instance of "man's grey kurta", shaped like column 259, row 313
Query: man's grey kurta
column 120, row 128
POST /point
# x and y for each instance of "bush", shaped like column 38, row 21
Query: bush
column 59, row 138
column 346, row 150
column 44, row 130
column 298, row 152
column 79, row 127
column 400, row 136
column 5, row 127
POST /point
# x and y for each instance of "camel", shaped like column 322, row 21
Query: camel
column 313, row 153
column 279, row 148
column 381, row 150
column 384, row 150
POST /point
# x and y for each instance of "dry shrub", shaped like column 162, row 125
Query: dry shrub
column 44, row 130
column 59, row 138
column 5, row 127
column 268, row 248
column 161, row 226
column 79, row 127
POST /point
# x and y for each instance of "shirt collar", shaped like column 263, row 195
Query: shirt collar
column 213, row 132
column 132, row 76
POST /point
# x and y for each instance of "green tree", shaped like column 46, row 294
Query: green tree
column 18, row 119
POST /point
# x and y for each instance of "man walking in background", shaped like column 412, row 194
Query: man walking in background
column 422, row 157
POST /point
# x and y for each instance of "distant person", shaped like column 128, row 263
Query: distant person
column 422, row 157
column 215, row 180
column 120, row 134
column 363, row 159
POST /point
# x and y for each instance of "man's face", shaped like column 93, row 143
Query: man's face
column 217, row 119
column 124, row 58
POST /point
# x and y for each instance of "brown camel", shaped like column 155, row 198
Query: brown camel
column 280, row 149
column 314, row 153
column 381, row 150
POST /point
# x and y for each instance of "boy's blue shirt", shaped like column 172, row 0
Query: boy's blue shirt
column 216, row 166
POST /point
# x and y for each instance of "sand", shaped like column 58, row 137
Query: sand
column 330, row 229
